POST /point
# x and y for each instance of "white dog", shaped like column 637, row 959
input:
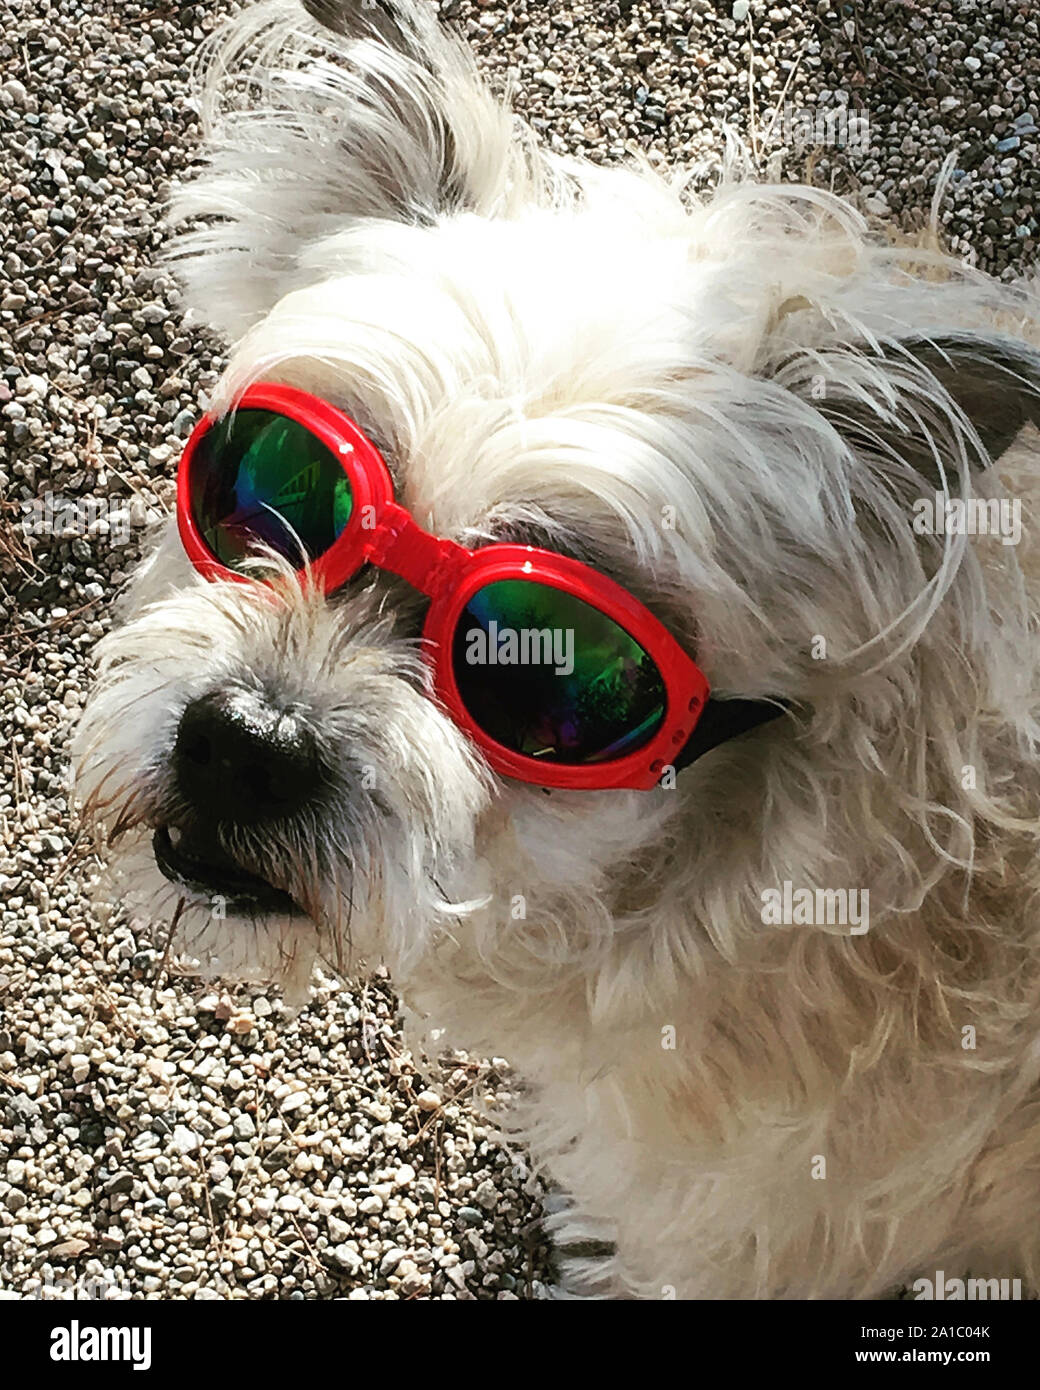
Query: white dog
column 779, row 1014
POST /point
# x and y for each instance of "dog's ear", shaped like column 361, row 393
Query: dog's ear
column 395, row 22
column 318, row 118
column 994, row 381
column 907, row 400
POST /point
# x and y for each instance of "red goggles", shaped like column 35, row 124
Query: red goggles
column 558, row 675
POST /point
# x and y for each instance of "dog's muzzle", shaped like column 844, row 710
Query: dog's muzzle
column 238, row 762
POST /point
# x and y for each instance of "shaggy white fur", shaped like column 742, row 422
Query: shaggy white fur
column 730, row 405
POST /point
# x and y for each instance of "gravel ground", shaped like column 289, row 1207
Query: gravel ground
column 158, row 1139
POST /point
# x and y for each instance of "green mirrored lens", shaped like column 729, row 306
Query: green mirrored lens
column 259, row 479
column 549, row 676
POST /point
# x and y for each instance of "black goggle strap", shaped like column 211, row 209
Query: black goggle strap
column 723, row 720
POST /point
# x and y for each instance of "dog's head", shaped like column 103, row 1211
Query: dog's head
column 726, row 405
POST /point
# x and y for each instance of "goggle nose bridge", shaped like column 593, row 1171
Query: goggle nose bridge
column 423, row 560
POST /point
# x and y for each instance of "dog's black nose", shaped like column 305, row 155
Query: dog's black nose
column 239, row 759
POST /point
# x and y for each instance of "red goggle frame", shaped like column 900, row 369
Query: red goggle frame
column 380, row 532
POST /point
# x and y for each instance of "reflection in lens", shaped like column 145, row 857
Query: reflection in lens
column 547, row 675
column 259, row 479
